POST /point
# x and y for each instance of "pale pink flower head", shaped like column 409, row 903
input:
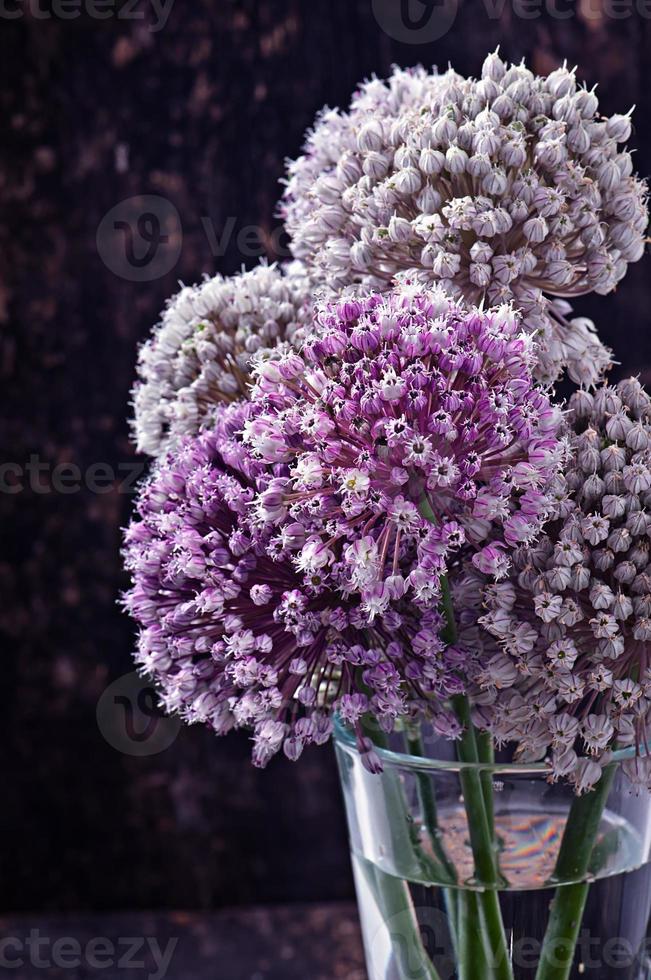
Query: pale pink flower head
column 573, row 618
column 197, row 356
column 507, row 188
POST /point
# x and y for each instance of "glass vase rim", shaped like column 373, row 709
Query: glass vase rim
column 405, row 760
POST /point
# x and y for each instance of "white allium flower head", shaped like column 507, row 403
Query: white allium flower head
column 510, row 187
column 198, row 355
column 570, row 627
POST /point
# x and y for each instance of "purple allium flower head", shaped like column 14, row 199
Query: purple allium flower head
column 567, row 637
column 234, row 635
column 198, row 354
column 397, row 403
column 511, row 187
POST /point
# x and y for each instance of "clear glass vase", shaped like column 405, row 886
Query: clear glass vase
column 561, row 891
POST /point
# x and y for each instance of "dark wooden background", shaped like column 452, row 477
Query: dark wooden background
column 200, row 113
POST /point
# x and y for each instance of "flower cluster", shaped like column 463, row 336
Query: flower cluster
column 507, row 188
column 235, row 636
column 198, row 355
column 342, row 440
column 570, row 675
column 406, row 426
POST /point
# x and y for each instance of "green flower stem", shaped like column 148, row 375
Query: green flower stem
column 473, row 790
column 483, row 847
column 472, row 961
column 573, row 863
column 486, row 753
column 449, row 633
column 582, row 828
column 477, row 807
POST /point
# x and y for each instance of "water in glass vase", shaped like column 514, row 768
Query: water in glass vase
column 412, row 930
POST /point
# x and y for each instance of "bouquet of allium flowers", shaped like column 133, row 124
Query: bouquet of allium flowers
column 367, row 505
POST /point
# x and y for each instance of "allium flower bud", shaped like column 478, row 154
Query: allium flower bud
column 586, row 776
column 399, row 230
column 371, row 136
column 561, row 83
column 431, row 162
column 619, row 128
